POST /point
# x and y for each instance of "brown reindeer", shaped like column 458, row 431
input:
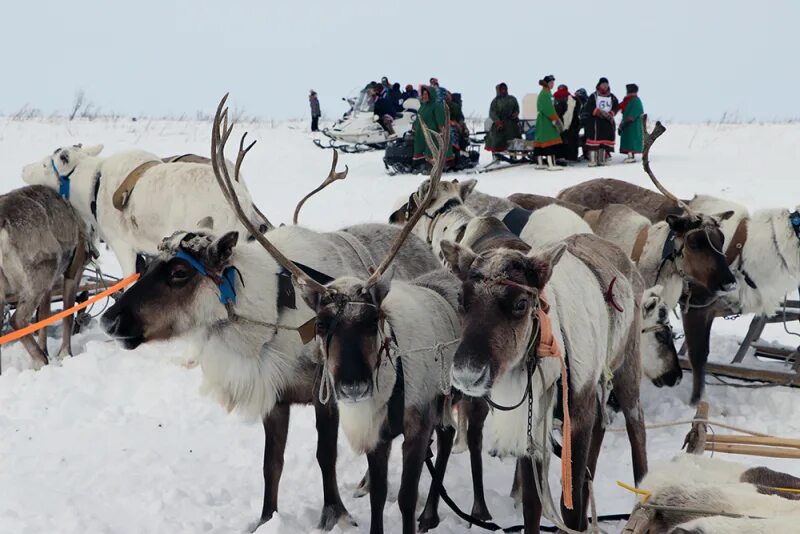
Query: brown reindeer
column 43, row 241
column 586, row 280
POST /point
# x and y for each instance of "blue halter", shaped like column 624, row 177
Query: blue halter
column 794, row 218
column 63, row 180
column 225, row 283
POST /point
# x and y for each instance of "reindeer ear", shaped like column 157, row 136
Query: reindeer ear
column 311, row 296
column 466, row 187
column 221, row 250
column 724, row 216
column 680, row 224
column 206, row 222
column 543, row 262
column 399, row 215
column 93, row 150
column 379, row 291
column 459, row 259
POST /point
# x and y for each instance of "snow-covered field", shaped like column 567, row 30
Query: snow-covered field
column 123, row 442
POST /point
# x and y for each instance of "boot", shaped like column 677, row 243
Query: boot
column 540, row 162
column 593, row 158
column 631, row 158
column 601, row 157
column 551, row 164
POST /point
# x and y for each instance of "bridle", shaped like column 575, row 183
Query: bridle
column 670, row 253
column 63, row 179
column 436, row 215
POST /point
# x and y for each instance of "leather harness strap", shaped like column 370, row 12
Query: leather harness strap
column 638, row 245
column 187, row 158
column 738, row 240
column 123, row 192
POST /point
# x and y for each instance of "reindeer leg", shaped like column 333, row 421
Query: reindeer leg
column 276, row 429
column 531, row 503
column 378, row 460
column 72, row 280
column 42, row 313
column 697, row 327
column 416, row 436
column 626, row 391
column 333, row 510
column 478, row 410
column 21, row 319
column 429, row 518
column 516, row 487
column 363, row 486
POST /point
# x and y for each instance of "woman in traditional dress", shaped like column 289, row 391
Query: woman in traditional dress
column 600, row 127
column 631, row 132
column 547, row 140
column 431, row 113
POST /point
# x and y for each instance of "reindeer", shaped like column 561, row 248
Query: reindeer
column 42, row 241
column 133, row 199
column 722, row 488
column 598, row 326
column 450, row 217
column 253, row 338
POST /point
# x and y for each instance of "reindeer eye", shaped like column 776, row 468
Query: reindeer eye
column 521, row 306
column 179, row 273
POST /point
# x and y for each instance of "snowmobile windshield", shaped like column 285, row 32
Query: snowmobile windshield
column 364, row 102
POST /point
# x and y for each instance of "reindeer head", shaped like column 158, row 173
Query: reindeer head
column 659, row 357
column 699, row 247
column 61, row 162
column 173, row 297
column 698, row 238
column 351, row 332
column 446, row 195
column 499, row 300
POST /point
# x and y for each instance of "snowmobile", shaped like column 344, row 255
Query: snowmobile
column 359, row 130
column 399, row 157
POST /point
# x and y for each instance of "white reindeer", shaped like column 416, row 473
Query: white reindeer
column 167, row 197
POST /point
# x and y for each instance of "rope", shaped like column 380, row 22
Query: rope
column 324, row 384
column 697, row 420
column 30, row 329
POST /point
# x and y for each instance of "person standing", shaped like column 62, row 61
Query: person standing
column 547, row 138
column 504, row 113
column 316, row 113
column 600, row 126
column 439, row 90
column 631, row 132
column 569, row 109
column 431, row 114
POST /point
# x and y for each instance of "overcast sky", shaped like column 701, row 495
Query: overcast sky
column 693, row 60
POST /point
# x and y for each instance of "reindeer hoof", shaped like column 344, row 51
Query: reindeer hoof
column 362, row 490
column 428, row 521
column 479, row 511
column 257, row 525
column 335, row 514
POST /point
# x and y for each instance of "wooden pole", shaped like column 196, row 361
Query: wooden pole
column 754, row 440
column 695, row 441
column 744, row 373
column 753, row 450
column 640, row 521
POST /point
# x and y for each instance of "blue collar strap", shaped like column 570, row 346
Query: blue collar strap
column 63, row 180
column 225, row 283
column 794, row 218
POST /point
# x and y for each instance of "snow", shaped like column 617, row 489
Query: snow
column 116, row 441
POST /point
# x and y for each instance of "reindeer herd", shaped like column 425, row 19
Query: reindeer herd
column 547, row 312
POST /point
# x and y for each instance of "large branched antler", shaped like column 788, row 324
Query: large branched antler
column 332, row 177
column 439, row 154
column 220, row 132
column 649, row 140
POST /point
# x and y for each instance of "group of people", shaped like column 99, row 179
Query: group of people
column 567, row 122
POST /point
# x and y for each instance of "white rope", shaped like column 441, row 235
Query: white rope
column 696, row 420
column 324, row 384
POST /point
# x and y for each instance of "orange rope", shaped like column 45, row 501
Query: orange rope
column 549, row 348
column 30, row 329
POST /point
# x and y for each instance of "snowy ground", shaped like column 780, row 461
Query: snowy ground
column 115, row 441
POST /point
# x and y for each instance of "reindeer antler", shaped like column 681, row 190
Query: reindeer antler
column 220, row 132
column 439, row 160
column 332, row 177
column 649, row 139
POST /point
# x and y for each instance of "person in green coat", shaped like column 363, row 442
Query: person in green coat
column 504, row 113
column 431, row 113
column 630, row 129
column 547, row 139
